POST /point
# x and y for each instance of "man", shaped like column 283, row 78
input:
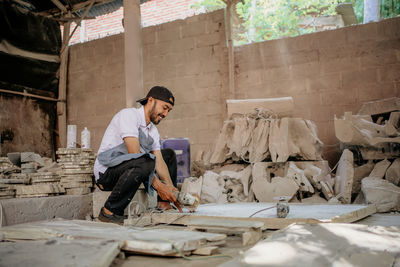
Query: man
column 130, row 154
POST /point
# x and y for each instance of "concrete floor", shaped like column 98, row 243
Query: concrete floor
column 232, row 248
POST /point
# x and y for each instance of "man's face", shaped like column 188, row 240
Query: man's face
column 159, row 111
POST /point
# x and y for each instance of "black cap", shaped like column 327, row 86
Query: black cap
column 160, row 93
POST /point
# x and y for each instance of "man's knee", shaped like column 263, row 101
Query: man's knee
column 168, row 154
column 147, row 166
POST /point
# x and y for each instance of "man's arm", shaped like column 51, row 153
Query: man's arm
column 161, row 168
column 132, row 144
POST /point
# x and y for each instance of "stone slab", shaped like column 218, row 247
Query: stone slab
column 59, row 252
column 24, row 210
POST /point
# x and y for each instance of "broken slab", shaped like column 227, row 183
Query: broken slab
column 278, row 187
column 299, row 177
column 220, row 153
column 258, row 147
column 361, row 130
column 360, row 172
column 294, row 137
column 344, row 176
column 380, row 106
column 379, row 169
column 393, row 172
column 267, row 213
column 59, row 252
column 31, row 157
column 192, row 185
column 382, row 193
column 392, row 125
column 241, row 138
column 315, row 171
column 135, row 240
column 44, row 208
column 314, row 199
column 282, row 106
column 343, row 245
column 327, row 190
column 212, row 188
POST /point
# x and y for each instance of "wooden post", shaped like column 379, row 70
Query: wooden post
column 62, row 89
column 133, row 52
column 231, row 61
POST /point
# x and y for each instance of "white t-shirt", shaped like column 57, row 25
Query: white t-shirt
column 125, row 123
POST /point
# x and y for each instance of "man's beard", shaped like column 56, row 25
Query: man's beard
column 154, row 115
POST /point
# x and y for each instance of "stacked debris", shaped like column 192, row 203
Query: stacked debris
column 279, row 157
column 6, row 190
column 369, row 168
column 77, row 170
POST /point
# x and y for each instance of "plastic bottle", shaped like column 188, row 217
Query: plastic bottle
column 85, row 138
column 71, row 136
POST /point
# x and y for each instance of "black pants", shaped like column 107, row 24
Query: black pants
column 124, row 179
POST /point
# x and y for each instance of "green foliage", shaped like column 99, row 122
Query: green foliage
column 209, row 5
column 390, row 8
column 271, row 19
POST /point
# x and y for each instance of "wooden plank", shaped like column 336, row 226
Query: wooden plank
column 299, row 213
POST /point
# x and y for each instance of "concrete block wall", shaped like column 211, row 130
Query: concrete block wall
column 327, row 73
column 189, row 57
column 96, row 85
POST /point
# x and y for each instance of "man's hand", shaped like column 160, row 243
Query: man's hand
column 166, row 192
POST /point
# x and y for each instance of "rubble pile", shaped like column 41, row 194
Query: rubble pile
column 40, row 177
column 259, row 135
column 77, row 170
column 260, row 157
column 279, row 157
column 369, row 169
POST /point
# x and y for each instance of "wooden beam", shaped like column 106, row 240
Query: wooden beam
column 62, row 90
column 29, row 95
column 78, row 23
column 133, row 52
column 231, row 60
column 75, row 8
column 60, row 6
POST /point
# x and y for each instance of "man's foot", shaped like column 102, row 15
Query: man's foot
column 164, row 205
column 109, row 217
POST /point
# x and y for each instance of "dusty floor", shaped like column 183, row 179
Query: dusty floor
column 232, row 248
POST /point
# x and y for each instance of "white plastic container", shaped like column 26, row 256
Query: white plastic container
column 85, row 138
column 71, row 136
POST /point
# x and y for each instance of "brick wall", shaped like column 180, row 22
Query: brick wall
column 188, row 56
column 327, row 73
column 153, row 12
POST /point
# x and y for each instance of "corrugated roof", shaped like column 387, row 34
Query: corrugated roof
column 103, row 9
column 48, row 7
